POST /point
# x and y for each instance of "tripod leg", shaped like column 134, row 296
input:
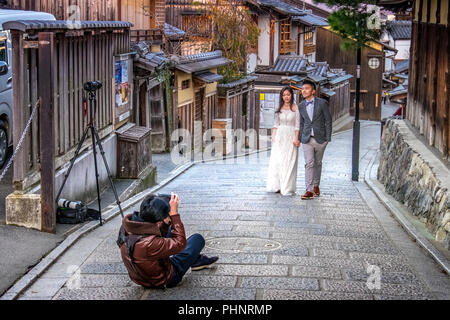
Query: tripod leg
column 94, row 137
column 107, row 169
column 72, row 162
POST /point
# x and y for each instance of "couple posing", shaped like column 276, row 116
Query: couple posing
column 310, row 124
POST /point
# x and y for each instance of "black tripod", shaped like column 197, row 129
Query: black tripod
column 91, row 87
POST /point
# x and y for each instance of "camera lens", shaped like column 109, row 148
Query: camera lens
column 92, row 85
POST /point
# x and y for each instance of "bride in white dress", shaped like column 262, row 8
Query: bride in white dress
column 282, row 173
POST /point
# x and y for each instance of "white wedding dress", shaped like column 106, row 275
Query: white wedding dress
column 282, row 173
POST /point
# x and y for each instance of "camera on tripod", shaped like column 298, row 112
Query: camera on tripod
column 92, row 86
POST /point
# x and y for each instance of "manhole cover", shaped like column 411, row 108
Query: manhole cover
column 236, row 245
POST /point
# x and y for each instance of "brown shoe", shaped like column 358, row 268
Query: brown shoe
column 308, row 195
column 316, row 191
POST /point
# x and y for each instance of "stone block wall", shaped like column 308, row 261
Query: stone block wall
column 413, row 175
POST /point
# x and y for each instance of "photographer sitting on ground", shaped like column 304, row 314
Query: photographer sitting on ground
column 153, row 244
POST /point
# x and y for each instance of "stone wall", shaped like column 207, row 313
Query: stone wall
column 414, row 176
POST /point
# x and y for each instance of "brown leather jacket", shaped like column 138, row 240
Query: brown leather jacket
column 151, row 254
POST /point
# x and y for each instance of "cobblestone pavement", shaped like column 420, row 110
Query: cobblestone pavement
column 270, row 246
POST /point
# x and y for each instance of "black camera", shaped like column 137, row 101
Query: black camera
column 92, row 86
column 165, row 197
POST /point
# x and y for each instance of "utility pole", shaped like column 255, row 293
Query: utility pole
column 356, row 125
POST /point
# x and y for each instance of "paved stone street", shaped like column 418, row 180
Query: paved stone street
column 270, row 246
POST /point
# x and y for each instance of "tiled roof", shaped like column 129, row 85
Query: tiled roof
column 280, row 7
column 41, row 25
column 397, row 91
column 146, row 59
column 327, row 92
column 208, row 77
column 399, row 30
column 200, row 56
column 201, row 61
column 237, row 82
column 310, row 19
column 321, row 69
column 291, row 64
column 340, row 79
column 401, row 66
column 156, row 58
column 173, row 32
column 321, row 6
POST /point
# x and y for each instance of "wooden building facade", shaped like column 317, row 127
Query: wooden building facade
column 428, row 106
column 332, row 85
column 195, row 95
column 372, row 67
column 285, row 29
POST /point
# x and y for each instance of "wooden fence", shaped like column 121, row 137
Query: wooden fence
column 79, row 55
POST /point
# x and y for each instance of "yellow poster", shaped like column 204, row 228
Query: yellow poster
column 261, row 96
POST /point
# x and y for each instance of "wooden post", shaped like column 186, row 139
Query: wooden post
column 18, row 107
column 47, row 140
column 272, row 40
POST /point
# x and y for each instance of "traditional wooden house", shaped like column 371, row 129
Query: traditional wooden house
column 332, row 85
column 195, row 96
column 397, row 34
column 290, row 33
column 285, row 29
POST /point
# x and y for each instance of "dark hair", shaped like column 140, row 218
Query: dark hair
column 311, row 83
column 282, row 101
column 154, row 209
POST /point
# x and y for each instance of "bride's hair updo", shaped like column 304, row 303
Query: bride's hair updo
column 282, row 101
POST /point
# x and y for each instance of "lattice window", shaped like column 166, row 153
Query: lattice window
column 286, row 44
column 308, row 36
column 185, row 84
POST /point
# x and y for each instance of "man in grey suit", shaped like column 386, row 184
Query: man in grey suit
column 314, row 133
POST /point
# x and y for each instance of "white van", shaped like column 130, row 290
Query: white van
column 6, row 97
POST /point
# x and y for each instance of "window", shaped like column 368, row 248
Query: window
column 308, row 41
column 308, row 36
column 286, row 44
column 185, row 84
